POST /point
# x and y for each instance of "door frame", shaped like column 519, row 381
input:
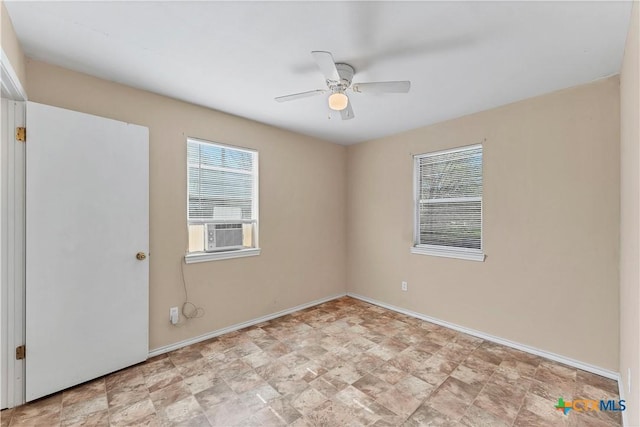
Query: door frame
column 12, row 245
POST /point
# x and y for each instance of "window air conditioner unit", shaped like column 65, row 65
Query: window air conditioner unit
column 223, row 237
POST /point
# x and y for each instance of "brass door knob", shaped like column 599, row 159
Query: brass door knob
column 141, row 256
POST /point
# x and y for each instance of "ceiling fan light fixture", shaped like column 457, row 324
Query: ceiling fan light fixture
column 338, row 101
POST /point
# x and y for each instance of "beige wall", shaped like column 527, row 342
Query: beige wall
column 302, row 205
column 551, row 217
column 11, row 45
column 630, row 220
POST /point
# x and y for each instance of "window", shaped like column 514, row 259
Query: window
column 448, row 205
column 222, row 206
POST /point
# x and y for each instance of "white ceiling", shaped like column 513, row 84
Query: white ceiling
column 461, row 57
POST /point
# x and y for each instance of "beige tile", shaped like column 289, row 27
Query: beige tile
column 5, row 417
column 476, row 417
column 118, row 397
column 470, row 375
column 48, row 420
column 326, row 387
column 228, row 413
column 259, row 397
column 157, row 380
column 84, row 408
column 372, row 386
column 345, row 372
column 335, row 413
column 214, row 346
column 543, row 409
column 415, row 387
column 277, row 349
column 169, row 395
column 194, row 367
column 293, row 360
column 214, row 395
column 580, row 419
column 435, row 370
column 308, row 400
column 448, row 404
column 201, row 381
column 272, row 370
column 257, row 359
column 363, row 407
column 418, row 355
column 46, row 405
column 355, row 399
column 288, row 387
column 83, row 392
column 387, row 349
column 242, row 349
column 390, row 373
column 486, row 356
column 463, row 391
column 156, row 365
column 277, row 411
column 528, row 358
column 344, row 362
column 51, row 405
column 185, row 355
column 310, row 371
column 125, row 378
column 549, row 371
column 96, row 419
column 245, row 381
column 527, row 418
column 427, row 415
column 597, row 381
column 196, row 421
column 455, row 352
column 524, row 369
column 500, row 402
column 512, row 377
column 398, row 402
column 183, row 410
column 553, row 390
column 132, row 414
column 367, row 362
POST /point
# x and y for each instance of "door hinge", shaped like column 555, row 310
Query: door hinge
column 21, row 134
column 21, row 352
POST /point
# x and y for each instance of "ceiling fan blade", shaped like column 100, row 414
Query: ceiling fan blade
column 382, row 87
column 347, row 113
column 300, row 95
column 326, row 64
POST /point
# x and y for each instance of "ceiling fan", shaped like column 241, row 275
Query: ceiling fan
column 338, row 78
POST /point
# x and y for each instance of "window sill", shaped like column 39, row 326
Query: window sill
column 449, row 253
column 215, row 256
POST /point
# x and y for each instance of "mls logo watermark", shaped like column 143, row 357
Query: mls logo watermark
column 586, row 405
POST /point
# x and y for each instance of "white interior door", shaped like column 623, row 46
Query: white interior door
column 86, row 219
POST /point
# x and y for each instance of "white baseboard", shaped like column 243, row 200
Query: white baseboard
column 542, row 353
column 237, row 326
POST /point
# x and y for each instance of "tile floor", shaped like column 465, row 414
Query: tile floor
column 342, row 363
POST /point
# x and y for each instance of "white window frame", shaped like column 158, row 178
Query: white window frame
column 195, row 257
column 444, row 251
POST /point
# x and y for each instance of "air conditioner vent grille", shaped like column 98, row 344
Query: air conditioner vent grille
column 223, row 237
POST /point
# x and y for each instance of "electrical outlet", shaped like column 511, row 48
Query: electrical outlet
column 174, row 315
column 404, row 286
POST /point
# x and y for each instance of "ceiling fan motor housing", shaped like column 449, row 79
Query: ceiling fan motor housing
column 346, row 72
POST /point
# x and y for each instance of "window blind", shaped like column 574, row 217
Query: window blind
column 449, row 208
column 221, row 183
